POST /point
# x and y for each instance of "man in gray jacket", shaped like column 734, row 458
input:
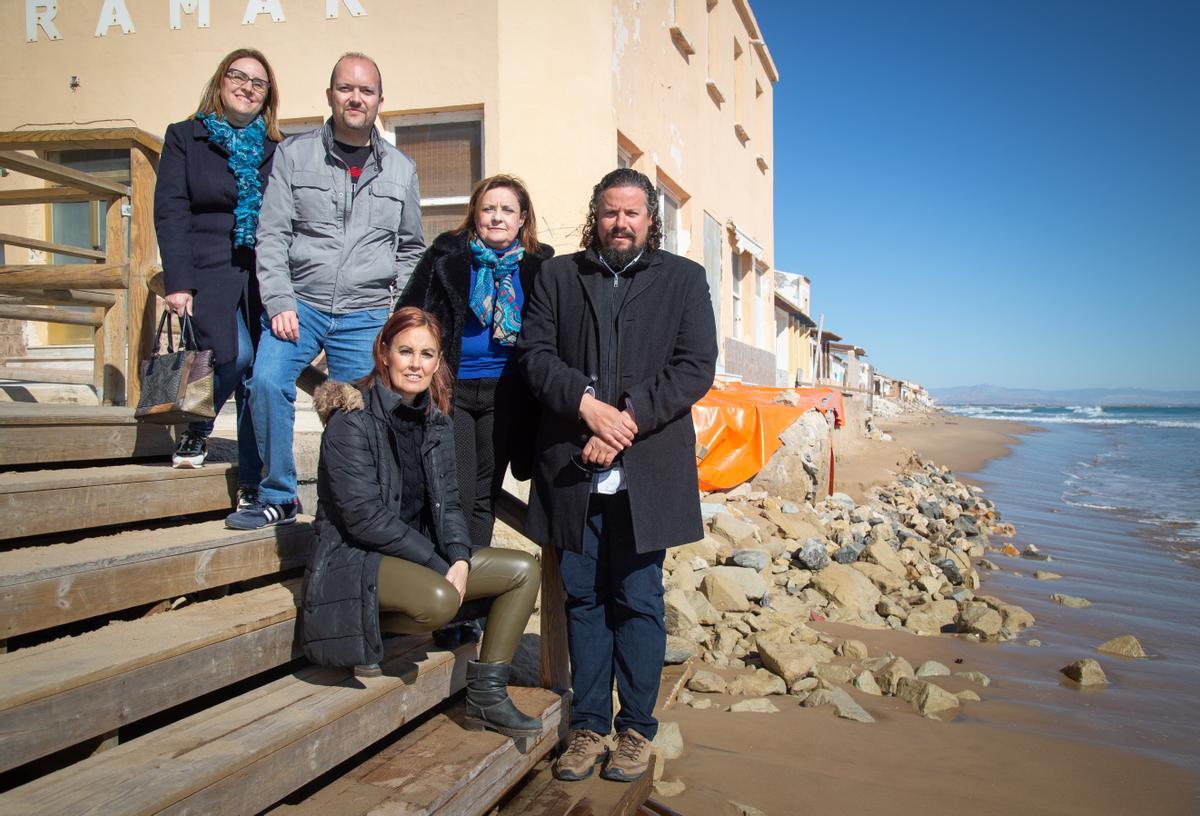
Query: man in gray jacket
column 339, row 231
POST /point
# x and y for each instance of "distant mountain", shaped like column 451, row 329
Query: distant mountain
column 998, row 395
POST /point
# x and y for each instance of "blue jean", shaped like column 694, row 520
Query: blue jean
column 346, row 339
column 230, row 378
column 615, row 625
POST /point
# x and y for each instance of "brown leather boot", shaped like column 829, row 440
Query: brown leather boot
column 585, row 749
column 630, row 760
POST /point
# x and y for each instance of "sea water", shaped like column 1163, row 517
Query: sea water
column 1112, row 495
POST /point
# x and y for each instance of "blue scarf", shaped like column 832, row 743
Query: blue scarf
column 245, row 149
column 494, row 298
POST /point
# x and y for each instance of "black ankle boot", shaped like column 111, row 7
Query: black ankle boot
column 488, row 703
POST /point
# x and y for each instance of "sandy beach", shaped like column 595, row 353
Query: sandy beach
column 1033, row 745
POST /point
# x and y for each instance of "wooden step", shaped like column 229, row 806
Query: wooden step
column 42, row 587
column 46, row 375
column 63, row 692
column 246, row 754
column 441, row 768
column 53, row 501
column 543, row 795
column 32, row 433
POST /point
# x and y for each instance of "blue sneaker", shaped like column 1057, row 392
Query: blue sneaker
column 260, row 514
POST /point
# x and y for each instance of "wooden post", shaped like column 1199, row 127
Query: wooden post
column 143, row 250
column 110, row 367
column 556, row 665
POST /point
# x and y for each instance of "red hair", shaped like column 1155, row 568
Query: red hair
column 403, row 319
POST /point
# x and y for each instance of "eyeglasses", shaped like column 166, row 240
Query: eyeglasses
column 239, row 79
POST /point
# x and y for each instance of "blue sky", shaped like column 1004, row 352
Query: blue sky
column 1003, row 192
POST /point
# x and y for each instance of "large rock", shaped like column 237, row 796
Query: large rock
column 706, row 682
column 864, row 681
column 852, row 590
column 669, row 740
column 680, row 650
column 885, row 579
column 1070, row 601
column 801, row 464
column 680, row 616
column 980, row 619
column 752, row 584
column 757, row 705
column 932, row 668
column 708, row 614
column 889, row 676
column 833, row 674
column 797, row 526
column 1016, row 617
column 724, row 593
column 1086, row 672
column 927, row 699
column 736, row 532
column 843, row 704
column 706, row 548
column 791, row 661
column 751, row 559
column 882, row 554
column 761, row 683
column 1124, row 646
column 812, row 554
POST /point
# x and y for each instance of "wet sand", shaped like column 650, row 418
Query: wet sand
column 1034, row 744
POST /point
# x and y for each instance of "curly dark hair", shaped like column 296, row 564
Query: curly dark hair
column 624, row 177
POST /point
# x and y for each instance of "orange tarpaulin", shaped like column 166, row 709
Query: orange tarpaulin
column 738, row 428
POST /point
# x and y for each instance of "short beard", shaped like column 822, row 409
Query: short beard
column 618, row 259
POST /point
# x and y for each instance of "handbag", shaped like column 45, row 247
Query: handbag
column 177, row 386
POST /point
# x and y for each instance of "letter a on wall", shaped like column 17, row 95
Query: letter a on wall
column 112, row 13
column 257, row 7
column 41, row 15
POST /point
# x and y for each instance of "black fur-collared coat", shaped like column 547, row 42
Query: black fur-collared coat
column 359, row 487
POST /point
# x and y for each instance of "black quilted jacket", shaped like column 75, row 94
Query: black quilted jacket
column 359, row 485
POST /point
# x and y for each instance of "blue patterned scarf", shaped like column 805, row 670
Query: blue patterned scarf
column 245, row 149
column 494, row 298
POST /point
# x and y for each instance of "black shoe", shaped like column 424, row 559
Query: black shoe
column 261, row 515
column 191, row 451
column 453, row 635
column 247, row 497
column 489, row 706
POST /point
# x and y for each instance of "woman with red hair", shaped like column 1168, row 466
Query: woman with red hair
column 393, row 552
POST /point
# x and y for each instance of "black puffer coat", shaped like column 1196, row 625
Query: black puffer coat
column 440, row 285
column 359, row 484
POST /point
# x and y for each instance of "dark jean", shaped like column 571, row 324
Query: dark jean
column 615, row 625
column 230, row 378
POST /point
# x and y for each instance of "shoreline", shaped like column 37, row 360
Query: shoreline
column 1027, row 748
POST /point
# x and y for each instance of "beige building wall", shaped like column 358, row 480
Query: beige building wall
column 558, row 83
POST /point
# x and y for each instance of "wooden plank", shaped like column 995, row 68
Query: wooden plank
column 79, row 139
column 52, row 314
column 49, row 246
column 246, row 754
column 110, row 369
column 62, row 297
column 59, row 174
column 45, row 444
column 41, row 502
column 16, row 414
column 543, row 795
column 63, row 276
column 63, row 376
column 42, row 587
column 440, row 768
column 45, row 195
column 143, row 253
column 72, row 689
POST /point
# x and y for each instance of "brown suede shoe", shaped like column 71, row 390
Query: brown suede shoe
column 630, row 760
column 585, row 750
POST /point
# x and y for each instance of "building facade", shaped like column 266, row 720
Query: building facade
column 556, row 92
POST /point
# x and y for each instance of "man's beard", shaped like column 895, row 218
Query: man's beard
column 618, row 259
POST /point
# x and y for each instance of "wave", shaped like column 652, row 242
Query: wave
column 1089, row 419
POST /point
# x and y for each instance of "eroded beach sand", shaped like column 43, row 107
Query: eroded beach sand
column 1035, row 744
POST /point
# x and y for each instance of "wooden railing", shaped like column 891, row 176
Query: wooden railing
column 112, row 284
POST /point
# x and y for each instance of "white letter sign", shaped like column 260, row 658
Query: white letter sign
column 41, row 14
column 112, row 13
column 257, row 7
column 333, row 8
column 177, row 8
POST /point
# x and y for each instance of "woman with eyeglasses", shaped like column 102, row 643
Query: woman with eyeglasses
column 211, row 176
column 475, row 279
column 392, row 550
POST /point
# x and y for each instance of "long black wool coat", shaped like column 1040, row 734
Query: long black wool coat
column 359, row 487
column 440, row 285
column 665, row 361
column 194, row 200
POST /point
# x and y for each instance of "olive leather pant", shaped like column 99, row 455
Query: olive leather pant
column 414, row 599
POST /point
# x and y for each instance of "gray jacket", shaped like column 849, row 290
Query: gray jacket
column 338, row 246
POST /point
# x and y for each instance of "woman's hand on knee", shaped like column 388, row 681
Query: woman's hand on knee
column 457, row 576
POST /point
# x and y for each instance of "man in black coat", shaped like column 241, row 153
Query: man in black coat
column 618, row 342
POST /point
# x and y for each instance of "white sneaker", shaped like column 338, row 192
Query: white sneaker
column 191, row 451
